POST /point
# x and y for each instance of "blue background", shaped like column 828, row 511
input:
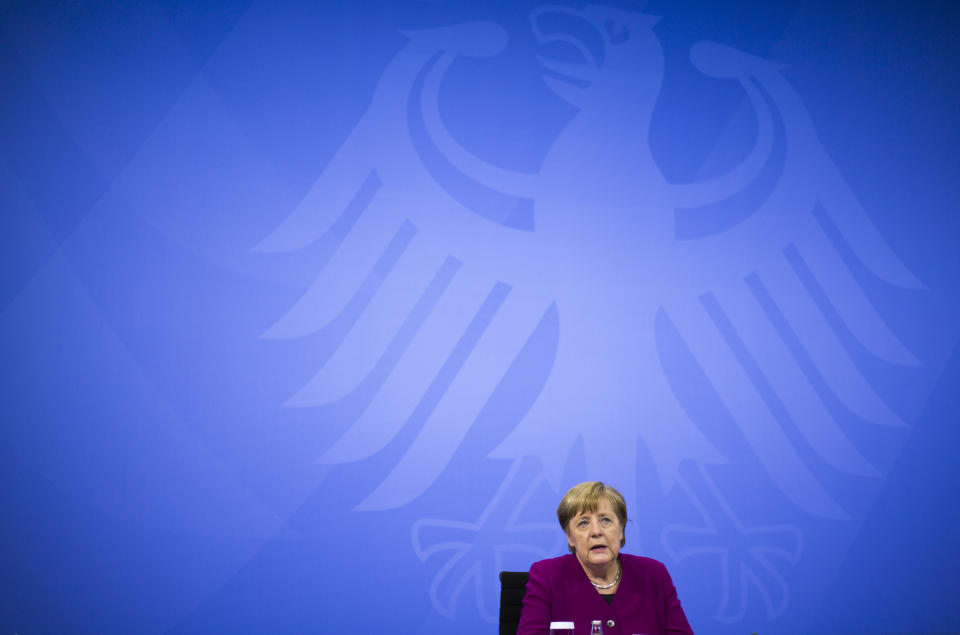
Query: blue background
column 230, row 233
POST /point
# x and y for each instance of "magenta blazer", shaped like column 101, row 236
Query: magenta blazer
column 560, row 591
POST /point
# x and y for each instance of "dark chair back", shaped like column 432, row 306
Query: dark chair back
column 513, row 584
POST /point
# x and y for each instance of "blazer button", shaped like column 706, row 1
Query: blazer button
column 610, row 623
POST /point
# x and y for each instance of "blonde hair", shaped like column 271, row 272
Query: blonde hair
column 585, row 497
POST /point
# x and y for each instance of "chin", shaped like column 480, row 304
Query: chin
column 601, row 556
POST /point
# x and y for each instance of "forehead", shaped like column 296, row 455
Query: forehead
column 604, row 506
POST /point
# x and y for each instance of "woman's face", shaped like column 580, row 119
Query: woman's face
column 596, row 536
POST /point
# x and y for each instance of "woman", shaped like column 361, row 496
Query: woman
column 629, row 594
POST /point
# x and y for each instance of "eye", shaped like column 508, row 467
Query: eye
column 583, row 522
column 606, row 521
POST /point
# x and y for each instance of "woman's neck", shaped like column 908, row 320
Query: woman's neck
column 602, row 574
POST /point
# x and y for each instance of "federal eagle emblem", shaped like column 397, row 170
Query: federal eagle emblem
column 451, row 263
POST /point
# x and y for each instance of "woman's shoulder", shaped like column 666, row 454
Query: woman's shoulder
column 553, row 564
column 641, row 563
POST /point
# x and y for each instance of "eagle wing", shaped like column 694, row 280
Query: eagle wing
column 418, row 272
column 769, row 309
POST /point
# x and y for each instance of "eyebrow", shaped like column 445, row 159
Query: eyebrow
column 587, row 515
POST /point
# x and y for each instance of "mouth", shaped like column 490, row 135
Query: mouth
column 598, row 548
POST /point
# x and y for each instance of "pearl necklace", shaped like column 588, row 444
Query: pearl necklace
column 612, row 584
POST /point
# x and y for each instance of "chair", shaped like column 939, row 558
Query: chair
column 513, row 585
